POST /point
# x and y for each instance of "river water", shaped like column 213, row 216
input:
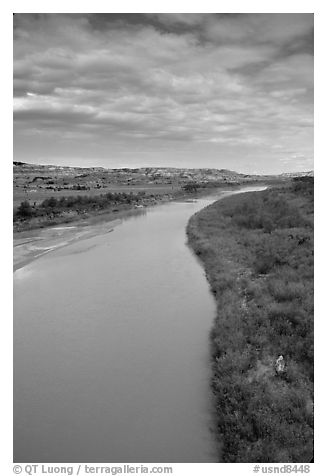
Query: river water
column 111, row 350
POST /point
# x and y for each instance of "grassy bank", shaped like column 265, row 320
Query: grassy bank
column 54, row 211
column 257, row 250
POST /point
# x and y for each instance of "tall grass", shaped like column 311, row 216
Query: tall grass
column 257, row 249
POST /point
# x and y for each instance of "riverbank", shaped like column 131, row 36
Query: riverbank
column 84, row 209
column 81, row 209
column 257, row 251
column 36, row 236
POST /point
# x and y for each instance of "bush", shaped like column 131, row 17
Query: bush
column 25, row 210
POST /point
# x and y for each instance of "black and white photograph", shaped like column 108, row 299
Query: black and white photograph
column 163, row 241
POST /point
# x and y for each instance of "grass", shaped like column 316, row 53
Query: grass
column 257, row 250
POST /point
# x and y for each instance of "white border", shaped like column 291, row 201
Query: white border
column 6, row 192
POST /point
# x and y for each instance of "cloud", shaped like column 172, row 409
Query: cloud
column 276, row 28
column 190, row 78
column 185, row 19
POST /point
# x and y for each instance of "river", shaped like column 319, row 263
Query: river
column 111, row 343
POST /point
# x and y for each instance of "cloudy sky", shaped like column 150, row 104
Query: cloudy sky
column 187, row 90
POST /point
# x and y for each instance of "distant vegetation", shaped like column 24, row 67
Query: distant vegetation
column 257, row 249
column 83, row 203
column 53, row 210
column 79, row 202
column 193, row 187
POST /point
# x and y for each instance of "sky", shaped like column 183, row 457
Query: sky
column 230, row 91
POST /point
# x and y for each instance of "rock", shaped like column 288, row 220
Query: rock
column 280, row 365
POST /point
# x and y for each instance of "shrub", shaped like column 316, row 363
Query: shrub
column 25, row 210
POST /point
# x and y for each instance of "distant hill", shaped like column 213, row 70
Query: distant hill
column 206, row 174
column 298, row 174
column 36, row 182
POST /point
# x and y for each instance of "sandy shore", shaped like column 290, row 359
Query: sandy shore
column 32, row 244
